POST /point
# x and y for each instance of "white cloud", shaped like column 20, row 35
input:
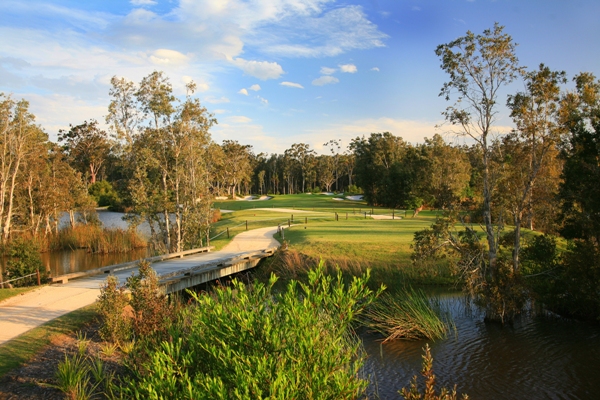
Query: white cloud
column 329, row 33
column 348, row 68
column 292, row 84
column 238, row 119
column 263, row 100
column 416, row 8
column 143, row 2
column 219, row 111
column 259, row 69
column 243, row 91
column 327, row 71
column 376, row 69
column 168, row 57
column 255, row 87
column 214, row 100
column 325, row 80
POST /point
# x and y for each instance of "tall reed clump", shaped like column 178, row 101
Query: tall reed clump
column 95, row 239
column 253, row 342
column 408, row 314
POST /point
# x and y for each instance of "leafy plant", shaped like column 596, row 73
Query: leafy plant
column 24, row 259
column 116, row 325
column 252, row 342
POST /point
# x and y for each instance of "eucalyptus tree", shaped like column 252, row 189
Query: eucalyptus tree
column 236, row 165
column 335, row 145
column 379, row 169
column 123, row 112
column 535, row 113
column 87, row 148
column 167, row 147
column 18, row 138
column 445, row 177
column 478, row 67
column 303, row 156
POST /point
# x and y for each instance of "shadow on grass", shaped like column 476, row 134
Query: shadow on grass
column 21, row 349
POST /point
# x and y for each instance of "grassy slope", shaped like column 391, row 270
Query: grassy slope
column 8, row 293
column 21, row 349
column 383, row 245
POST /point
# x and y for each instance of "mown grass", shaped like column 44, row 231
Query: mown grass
column 8, row 293
column 306, row 202
column 21, row 349
column 351, row 242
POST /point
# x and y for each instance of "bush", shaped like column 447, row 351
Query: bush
column 104, row 194
column 116, row 324
column 24, row 259
column 251, row 342
column 353, row 189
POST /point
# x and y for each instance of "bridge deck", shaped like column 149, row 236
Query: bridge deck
column 21, row 313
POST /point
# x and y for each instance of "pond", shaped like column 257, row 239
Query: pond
column 535, row 358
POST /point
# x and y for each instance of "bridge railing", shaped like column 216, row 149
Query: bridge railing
column 119, row 267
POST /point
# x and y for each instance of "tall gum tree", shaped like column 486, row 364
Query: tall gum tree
column 535, row 113
column 478, row 67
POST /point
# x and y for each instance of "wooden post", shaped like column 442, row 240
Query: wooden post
column 227, row 232
column 289, row 223
column 392, row 214
column 246, row 224
column 282, row 234
column 305, row 220
column 365, row 215
column 38, row 277
column 292, row 217
column 346, row 215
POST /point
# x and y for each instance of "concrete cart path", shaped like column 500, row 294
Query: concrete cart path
column 21, row 313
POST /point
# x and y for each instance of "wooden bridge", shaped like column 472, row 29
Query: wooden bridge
column 175, row 271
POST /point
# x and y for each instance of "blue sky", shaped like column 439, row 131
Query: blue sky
column 276, row 72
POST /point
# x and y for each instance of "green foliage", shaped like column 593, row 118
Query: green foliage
column 353, row 189
column 144, row 314
column 251, row 342
column 24, row 259
column 116, row 325
column 104, row 194
column 152, row 312
column 500, row 291
column 565, row 283
column 429, row 390
column 80, row 377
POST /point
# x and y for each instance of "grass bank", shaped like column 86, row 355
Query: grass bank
column 338, row 232
column 21, row 349
column 8, row 293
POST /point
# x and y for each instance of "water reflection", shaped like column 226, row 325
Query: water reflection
column 536, row 358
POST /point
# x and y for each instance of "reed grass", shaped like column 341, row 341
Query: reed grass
column 95, row 239
column 408, row 315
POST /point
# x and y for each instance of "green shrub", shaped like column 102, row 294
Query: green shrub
column 116, row 324
column 251, row 342
column 104, row 194
column 24, row 259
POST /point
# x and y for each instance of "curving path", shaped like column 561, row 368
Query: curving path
column 19, row 314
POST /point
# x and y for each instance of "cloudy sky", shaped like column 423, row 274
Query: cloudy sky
column 276, row 72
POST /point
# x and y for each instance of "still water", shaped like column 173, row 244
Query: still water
column 535, row 358
column 65, row 262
